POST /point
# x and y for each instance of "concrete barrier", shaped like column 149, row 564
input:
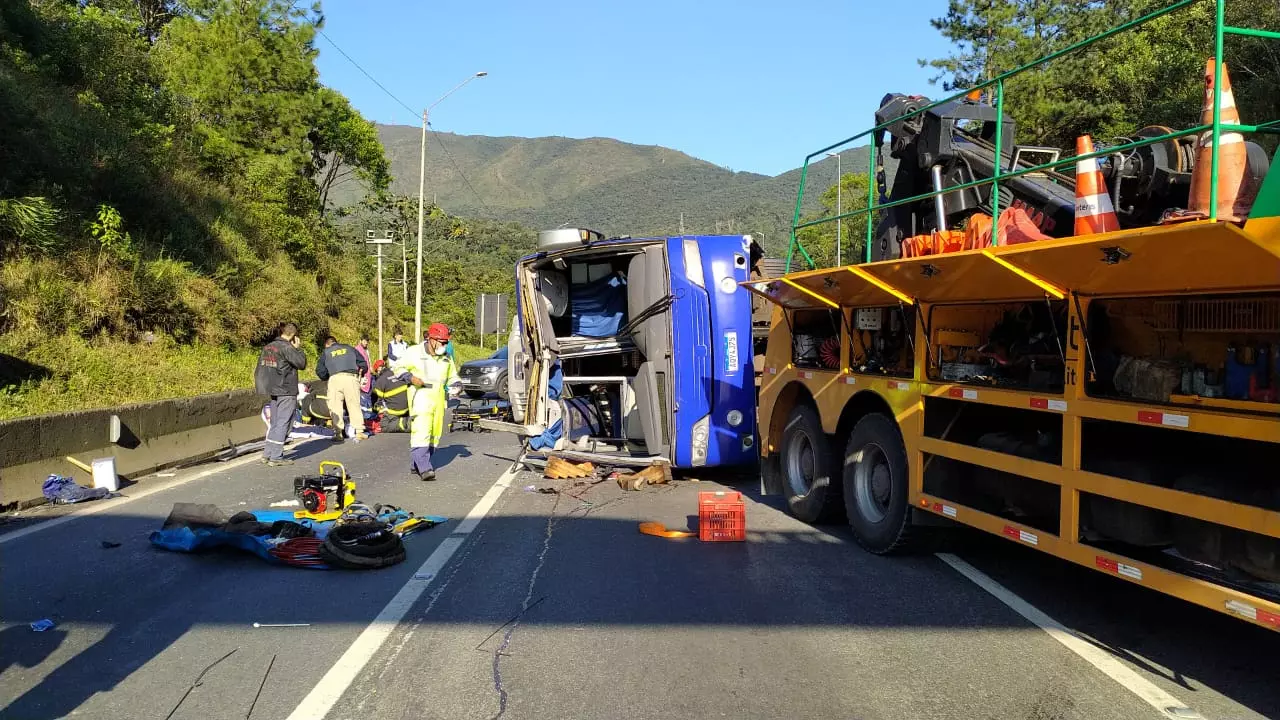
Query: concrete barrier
column 152, row 435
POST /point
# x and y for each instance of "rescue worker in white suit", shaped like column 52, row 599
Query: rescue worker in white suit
column 433, row 379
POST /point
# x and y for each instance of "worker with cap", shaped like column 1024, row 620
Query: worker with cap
column 342, row 365
column 434, row 378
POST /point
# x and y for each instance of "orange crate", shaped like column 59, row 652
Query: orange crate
column 722, row 517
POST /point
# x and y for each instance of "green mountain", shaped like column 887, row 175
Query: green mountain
column 616, row 187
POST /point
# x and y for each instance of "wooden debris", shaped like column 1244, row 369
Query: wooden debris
column 559, row 469
column 655, row 474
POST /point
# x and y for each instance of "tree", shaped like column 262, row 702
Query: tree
column 244, row 74
column 820, row 240
column 1151, row 75
column 344, row 144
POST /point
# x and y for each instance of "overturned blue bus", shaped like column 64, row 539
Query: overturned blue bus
column 635, row 350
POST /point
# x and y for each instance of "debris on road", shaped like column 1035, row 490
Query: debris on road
column 360, row 537
column 42, row 625
column 198, row 682
column 722, row 517
column 285, row 503
column 560, row 469
column 61, row 490
column 261, row 685
column 108, row 544
column 280, row 625
column 659, row 530
column 655, row 474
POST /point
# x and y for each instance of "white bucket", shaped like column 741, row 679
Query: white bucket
column 104, row 474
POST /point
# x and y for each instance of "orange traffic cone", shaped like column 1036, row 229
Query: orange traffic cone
column 1094, row 212
column 1235, row 190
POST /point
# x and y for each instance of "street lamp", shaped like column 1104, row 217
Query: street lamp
column 839, row 205
column 422, row 187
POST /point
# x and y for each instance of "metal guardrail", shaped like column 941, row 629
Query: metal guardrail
column 1221, row 30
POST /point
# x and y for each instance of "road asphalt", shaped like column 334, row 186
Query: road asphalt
column 554, row 606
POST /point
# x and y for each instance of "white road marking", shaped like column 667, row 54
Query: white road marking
column 335, row 682
column 98, row 506
column 1167, row 705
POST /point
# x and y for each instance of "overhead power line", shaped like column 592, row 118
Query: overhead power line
column 453, row 162
column 372, row 79
column 415, row 113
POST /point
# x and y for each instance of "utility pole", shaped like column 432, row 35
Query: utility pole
column 422, row 196
column 404, row 269
column 371, row 239
column 839, row 206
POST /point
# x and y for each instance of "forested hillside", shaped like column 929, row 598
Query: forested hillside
column 163, row 172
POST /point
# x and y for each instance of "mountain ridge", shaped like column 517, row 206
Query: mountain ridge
column 604, row 183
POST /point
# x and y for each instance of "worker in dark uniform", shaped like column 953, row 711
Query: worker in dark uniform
column 391, row 395
column 277, row 377
column 342, row 365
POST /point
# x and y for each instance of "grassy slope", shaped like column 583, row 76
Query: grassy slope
column 84, row 376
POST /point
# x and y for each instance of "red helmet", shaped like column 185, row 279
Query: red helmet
column 438, row 331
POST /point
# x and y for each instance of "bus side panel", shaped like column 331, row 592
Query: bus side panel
column 725, row 262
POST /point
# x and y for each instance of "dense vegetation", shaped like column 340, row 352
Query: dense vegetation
column 1152, row 75
column 163, row 200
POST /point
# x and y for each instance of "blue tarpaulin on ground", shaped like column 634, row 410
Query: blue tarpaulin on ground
column 197, row 539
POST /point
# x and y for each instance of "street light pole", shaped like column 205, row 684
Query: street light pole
column 839, row 206
column 422, row 193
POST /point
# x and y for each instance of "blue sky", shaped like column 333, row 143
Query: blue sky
column 747, row 85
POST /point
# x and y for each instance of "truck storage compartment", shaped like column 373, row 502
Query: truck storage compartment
column 1017, row 345
column 882, row 341
column 1213, row 352
column 815, row 339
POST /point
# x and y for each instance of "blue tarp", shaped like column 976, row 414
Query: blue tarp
column 596, row 309
column 191, row 540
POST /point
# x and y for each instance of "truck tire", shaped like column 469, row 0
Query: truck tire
column 771, row 480
column 808, row 468
column 875, row 486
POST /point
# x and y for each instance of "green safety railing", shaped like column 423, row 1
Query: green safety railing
column 996, row 84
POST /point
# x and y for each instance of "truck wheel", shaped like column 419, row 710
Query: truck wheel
column 807, row 468
column 875, row 485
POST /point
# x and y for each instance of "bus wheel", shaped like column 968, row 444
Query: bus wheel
column 875, row 485
column 807, row 468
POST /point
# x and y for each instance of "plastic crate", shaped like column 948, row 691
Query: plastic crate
column 722, row 517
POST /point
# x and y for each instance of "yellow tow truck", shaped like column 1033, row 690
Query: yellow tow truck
column 1110, row 398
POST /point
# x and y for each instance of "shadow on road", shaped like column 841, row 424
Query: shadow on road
column 601, row 572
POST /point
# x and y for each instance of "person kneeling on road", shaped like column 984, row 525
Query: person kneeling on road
column 434, row 378
column 341, row 365
column 277, row 377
